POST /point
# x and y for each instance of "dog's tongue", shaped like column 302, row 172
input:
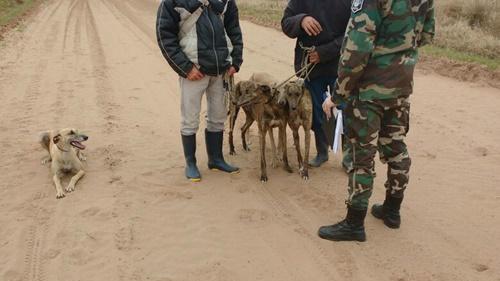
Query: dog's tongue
column 78, row 145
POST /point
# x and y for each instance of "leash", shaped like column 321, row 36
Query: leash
column 229, row 89
column 307, row 66
column 305, row 59
column 300, row 73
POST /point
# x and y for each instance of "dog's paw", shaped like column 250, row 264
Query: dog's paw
column 247, row 148
column 82, row 156
column 46, row 160
column 70, row 188
column 232, row 152
column 304, row 173
column 60, row 195
column 263, row 178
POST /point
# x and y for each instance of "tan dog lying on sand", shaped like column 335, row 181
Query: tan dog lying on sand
column 64, row 147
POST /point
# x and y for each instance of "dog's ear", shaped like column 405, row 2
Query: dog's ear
column 265, row 89
column 56, row 138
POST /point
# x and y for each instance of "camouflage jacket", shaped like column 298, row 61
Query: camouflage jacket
column 380, row 48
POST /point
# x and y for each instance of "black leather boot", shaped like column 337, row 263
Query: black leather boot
column 389, row 211
column 216, row 160
column 350, row 229
column 189, row 144
column 322, row 149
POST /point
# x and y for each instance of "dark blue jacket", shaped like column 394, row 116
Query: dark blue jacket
column 333, row 15
column 205, row 33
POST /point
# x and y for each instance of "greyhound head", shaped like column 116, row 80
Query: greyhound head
column 248, row 92
column 292, row 95
column 66, row 138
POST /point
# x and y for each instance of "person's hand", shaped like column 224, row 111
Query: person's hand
column 314, row 57
column 231, row 71
column 311, row 26
column 195, row 74
column 328, row 105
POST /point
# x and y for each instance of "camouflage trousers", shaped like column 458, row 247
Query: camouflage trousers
column 378, row 125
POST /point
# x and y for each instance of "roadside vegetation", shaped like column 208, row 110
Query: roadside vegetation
column 12, row 10
column 467, row 30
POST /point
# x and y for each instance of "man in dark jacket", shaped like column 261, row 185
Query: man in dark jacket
column 202, row 42
column 319, row 27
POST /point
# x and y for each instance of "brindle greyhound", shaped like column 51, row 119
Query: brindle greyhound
column 240, row 89
column 299, row 109
column 269, row 113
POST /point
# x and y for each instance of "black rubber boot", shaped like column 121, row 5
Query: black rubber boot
column 322, row 149
column 216, row 160
column 350, row 229
column 189, row 144
column 389, row 211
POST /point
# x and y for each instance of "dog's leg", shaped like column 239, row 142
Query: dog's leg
column 280, row 145
column 46, row 159
column 81, row 156
column 244, row 130
column 284, row 150
column 307, row 140
column 59, row 189
column 275, row 160
column 232, row 122
column 296, row 141
column 74, row 180
column 262, row 139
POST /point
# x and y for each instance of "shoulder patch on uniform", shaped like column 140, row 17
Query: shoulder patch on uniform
column 357, row 5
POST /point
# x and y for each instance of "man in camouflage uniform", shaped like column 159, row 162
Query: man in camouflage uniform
column 379, row 54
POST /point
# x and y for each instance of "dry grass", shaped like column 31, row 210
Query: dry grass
column 471, row 27
column 11, row 9
column 264, row 12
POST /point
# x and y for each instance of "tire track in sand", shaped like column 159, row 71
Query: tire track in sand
column 35, row 241
column 34, row 262
column 105, row 102
column 294, row 218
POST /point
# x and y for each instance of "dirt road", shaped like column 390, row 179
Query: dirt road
column 95, row 65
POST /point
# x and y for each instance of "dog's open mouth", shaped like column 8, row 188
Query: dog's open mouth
column 78, row 145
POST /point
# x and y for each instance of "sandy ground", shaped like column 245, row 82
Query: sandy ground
column 95, row 65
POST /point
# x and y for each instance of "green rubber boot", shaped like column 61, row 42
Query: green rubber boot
column 189, row 145
column 216, row 160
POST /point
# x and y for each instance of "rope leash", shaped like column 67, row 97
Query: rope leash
column 229, row 90
column 307, row 67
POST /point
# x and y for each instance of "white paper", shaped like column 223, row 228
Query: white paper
column 339, row 129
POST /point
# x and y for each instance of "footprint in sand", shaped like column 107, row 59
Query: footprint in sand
column 52, row 254
column 77, row 257
column 480, row 267
column 481, row 151
column 177, row 195
column 252, row 215
column 90, row 212
column 124, row 238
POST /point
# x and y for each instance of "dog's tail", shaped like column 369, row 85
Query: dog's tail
column 44, row 140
